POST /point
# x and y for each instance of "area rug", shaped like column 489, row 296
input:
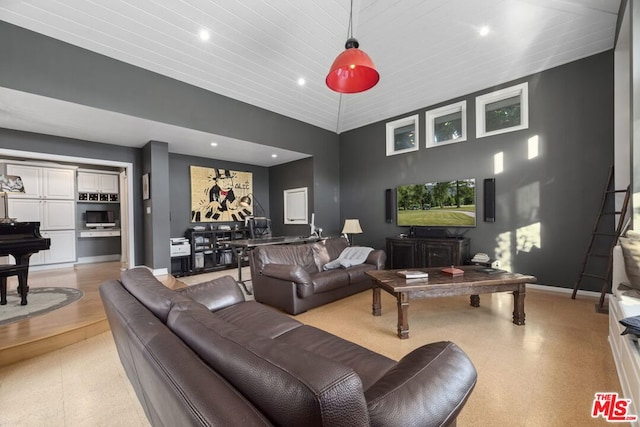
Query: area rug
column 39, row 301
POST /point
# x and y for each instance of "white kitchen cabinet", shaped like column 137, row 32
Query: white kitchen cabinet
column 63, row 246
column 49, row 199
column 51, row 214
column 93, row 182
column 44, row 183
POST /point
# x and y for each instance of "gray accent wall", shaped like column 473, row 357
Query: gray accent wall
column 296, row 174
column 545, row 206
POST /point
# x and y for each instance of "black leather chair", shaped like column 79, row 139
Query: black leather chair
column 8, row 270
column 259, row 227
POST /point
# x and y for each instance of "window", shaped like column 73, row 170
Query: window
column 505, row 110
column 295, row 206
column 402, row 135
column 447, row 124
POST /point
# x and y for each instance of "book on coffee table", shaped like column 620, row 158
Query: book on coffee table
column 413, row 274
column 452, row 271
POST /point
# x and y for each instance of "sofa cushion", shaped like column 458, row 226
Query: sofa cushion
column 631, row 252
column 258, row 318
column 215, row 294
column 159, row 299
column 327, row 250
column 369, row 366
column 357, row 272
column 329, row 280
column 301, row 255
column 289, row 385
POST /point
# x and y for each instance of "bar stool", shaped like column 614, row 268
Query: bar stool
column 7, row 270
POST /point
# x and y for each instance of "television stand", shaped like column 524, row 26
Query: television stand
column 424, row 252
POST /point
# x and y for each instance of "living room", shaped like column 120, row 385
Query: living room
column 545, row 204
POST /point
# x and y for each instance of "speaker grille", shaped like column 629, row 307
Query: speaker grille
column 388, row 200
column 490, row 200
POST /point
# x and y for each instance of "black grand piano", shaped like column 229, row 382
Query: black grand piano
column 22, row 239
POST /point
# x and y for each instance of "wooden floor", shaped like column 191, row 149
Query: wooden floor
column 70, row 324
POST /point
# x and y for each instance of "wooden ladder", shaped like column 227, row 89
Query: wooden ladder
column 605, row 239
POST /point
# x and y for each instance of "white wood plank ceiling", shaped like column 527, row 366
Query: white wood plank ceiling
column 426, row 51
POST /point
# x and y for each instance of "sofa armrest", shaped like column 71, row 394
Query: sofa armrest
column 431, row 383
column 378, row 258
column 215, row 294
column 290, row 273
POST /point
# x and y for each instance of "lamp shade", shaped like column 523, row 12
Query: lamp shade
column 352, row 71
column 351, row 226
column 245, row 201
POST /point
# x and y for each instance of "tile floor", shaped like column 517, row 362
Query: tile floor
column 542, row 374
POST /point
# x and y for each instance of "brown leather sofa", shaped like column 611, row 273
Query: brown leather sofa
column 204, row 356
column 291, row 278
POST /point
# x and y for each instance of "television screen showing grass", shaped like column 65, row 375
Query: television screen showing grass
column 437, row 204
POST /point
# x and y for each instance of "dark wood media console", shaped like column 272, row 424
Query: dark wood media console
column 423, row 252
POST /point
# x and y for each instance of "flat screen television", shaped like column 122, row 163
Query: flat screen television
column 437, row 204
column 99, row 219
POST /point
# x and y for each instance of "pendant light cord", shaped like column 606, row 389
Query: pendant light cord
column 350, row 30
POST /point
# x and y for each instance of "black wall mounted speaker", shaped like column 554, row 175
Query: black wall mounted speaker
column 490, row 200
column 388, row 205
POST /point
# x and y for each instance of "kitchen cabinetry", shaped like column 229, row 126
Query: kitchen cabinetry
column 209, row 249
column 94, row 182
column 408, row 252
column 48, row 199
column 43, row 182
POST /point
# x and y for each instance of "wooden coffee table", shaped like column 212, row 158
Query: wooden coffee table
column 473, row 282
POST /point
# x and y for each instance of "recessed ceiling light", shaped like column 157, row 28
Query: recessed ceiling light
column 204, row 35
column 302, row 81
column 214, row 144
column 484, row 30
column 274, row 155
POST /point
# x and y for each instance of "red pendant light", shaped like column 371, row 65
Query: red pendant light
column 352, row 71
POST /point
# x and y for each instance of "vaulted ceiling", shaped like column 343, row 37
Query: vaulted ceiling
column 426, row 51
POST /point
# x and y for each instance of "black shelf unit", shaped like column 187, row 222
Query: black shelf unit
column 210, row 251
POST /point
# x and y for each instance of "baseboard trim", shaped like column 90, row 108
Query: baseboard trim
column 564, row 290
column 98, row 258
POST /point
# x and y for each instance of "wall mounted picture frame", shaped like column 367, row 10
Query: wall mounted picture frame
column 296, row 206
column 446, row 125
column 402, row 135
column 146, row 191
column 221, row 195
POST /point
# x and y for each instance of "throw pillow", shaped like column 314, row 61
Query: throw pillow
column 631, row 254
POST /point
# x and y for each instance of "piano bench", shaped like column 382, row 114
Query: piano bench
column 7, row 270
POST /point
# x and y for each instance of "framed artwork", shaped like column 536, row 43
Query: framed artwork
column 296, row 206
column 446, row 125
column 402, row 135
column 220, row 195
column 505, row 110
column 146, row 193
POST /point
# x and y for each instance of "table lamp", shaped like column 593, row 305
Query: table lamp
column 9, row 184
column 351, row 226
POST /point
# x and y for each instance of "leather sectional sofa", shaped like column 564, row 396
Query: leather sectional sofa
column 204, row 356
column 291, row 277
